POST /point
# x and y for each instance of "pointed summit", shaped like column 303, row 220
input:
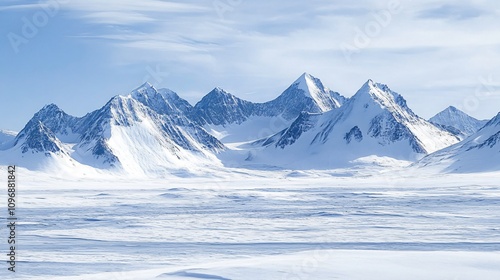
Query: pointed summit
column 133, row 135
column 37, row 138
column 150, row 97
column 144, row 86
column 382, row 95
column 457, row 122
column 308, row 94
column 176, row 102
column 375, row 121
column 57, row 121
column 50, row 110
column 477, row 153
column 308, row 84
column 313, row 88
column 219, row 107
column 144, row 89
column 50, row 107
column 220, row 95
column 218, row 91
column 495, row 121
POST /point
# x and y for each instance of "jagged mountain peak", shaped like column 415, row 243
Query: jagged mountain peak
column 309, row 84
column 38, row 138
column 49, row 110
column 382, row 95
column 219, row 107
column 457, row 122
column 218, row 91
column 313, row 88
column 144, row 87
column 480, row 151
column 58, row 121
column 307, row 93
column 495, row 121
column 168, row 93
column 375, row 121
column 51, row 107
column 181, row 105
column 219, row 95
column 452, row 109
column 133, row 135
column 146, row 90
column 375, row 89
column 449, row 111
column 148, row 95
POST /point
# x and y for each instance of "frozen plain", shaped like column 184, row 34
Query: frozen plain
column 248, row 224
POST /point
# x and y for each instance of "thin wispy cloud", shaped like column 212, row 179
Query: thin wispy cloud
column 453, row 12
column 261, row 46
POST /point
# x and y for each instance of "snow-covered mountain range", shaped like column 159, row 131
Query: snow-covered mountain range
column 307, row 94
column 457, row 122
column 374, row 122
column 138, row 133
column 478, row 152
column 307, row 126
column 235, row 120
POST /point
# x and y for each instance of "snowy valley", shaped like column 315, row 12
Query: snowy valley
column 309, row 185
column 155, row 132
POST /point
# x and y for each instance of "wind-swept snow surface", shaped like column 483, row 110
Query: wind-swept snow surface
column 479, row 152
column 260, row 225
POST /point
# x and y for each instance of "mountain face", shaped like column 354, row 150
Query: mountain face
column 306, row 94
column 181, row 106
column 58, row 122
column 478, row 152
column 457, row 122
column 152, row 131
column 235, row 120
column 127, row 133
column 375, row 121
column 222, row 108
column 146, row 131
column 37, row 138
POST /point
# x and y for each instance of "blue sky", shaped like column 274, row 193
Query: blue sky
column 79, row 53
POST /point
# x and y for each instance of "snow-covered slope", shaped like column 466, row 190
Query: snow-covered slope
column 457, row 122
column 374, row 122
column 152, row 131
column 175, row 101
column 144, row 132
column 37, row 147
column 232, row 119
column 64, row 126
column 306, row 94
column 125, row 133
column 478, row 152
column 6, row 136
column 37, row 138
column 219, row 107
